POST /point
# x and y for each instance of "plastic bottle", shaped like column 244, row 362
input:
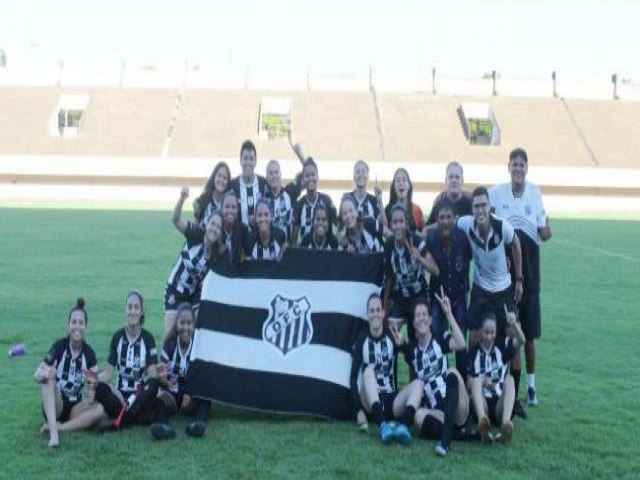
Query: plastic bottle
column 17, row 350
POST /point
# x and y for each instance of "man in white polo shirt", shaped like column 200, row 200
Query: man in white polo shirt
column 520, row 202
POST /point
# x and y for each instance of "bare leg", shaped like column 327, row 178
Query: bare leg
column 477, row 398
column 83, row 416
column 52, row 406
column 504, row 406
column 169, row 324
column 369, row 394
column 530, row 355
column 411, row 395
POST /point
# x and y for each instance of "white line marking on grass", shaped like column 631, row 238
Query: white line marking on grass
column 602, row 251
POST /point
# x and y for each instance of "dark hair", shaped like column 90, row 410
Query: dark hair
column 237, row 234
column 79, row 306
column 349, row 198
column 518, row 152
column 136, row 293
column 309, row 162
column 444, row 204
column 248, row 145
column 393, row 196
column 486, row 315
column 264, row 201
column 322, row 207
column 207, row 193
column 366, row 165
column 372, row 297
column 399, row 207
column 479, row 191
column 185, row 307
column 420, row 301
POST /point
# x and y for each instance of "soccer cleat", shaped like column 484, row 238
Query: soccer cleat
column 160, row 431
column 506, row 432
column 532, row 397
column 484, row 429
column 402, row 434
column 441, row 450
column 196, row 429
column 386, row 433
column 518, row 411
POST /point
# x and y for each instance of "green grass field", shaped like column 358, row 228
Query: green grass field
column 588, row 381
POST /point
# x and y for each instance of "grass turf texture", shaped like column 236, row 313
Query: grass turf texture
column 586, row 424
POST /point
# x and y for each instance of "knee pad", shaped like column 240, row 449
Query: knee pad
column 107, row 399
column 431, row 428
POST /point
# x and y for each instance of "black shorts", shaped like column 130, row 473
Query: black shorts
column 529, row 315
column 386, row 399
column 173, row 298
column 482, row 301
column 67, row 405
column 178, row 397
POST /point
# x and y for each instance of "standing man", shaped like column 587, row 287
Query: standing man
column 248, row 186
column 520, row 202
column 459, row 200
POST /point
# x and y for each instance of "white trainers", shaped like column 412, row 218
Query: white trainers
column 532, row 397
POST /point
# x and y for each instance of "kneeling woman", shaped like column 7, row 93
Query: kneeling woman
column 490, row 383
column 267, row 242
column 62, row 373
column 321, row 236
column 375, row 358
column 445, row 402
column 172, row 374
column 133, row 354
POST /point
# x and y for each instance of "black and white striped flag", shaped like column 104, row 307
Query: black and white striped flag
column 278, row 336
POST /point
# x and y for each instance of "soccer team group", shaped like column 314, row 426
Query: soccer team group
column 426, row 288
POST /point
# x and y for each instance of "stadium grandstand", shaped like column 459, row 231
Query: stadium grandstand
column 139, row 140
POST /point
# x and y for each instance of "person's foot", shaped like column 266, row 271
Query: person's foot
column 107, row 425
column 484, row 429
column 363, row 427
column 506, row 431
column 161, row 431
column 196, row 429
column 532, row 397
column 441, row 450
column 44, row 429
column 402, row 434
column 386, row 433
column 518, row 410
column 54, row 441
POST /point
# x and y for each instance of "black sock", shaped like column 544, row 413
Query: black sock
column 108, row 400
column 462, row 362
column 431, row 428
column 451, row 405
column 516, row 379
column 202, row 411
column 161, row 413
column 409, row 413
column 138, row 401
column 377, row 413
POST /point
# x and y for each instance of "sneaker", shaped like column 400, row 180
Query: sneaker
column 402, row 434
column 196, row 429
column 532, row 397
column 484, row 429
column 518, row 411
column 161, row 431
column 506, row 432
column 441, row 450
column 363, row 427
column 386, row 433
column 106, row 425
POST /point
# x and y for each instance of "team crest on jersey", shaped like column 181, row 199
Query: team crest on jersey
column 288, row 325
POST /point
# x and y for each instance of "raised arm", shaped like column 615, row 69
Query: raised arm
column 457, row 338
column 513, row 327
column 431, row 266
column 176, row 217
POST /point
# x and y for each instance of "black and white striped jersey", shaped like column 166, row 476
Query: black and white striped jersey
column 493, row 364
column 272, row 251
column 408, row 273
column 382, row 354
column 430, row 365
column 131, row 358
column 248, row 195
column 330, row 242
column 283, row 206
column 368, row 206
column 210, row 209
column 177, row 361
column 191, row 265
column 370, row 240
column 237, row 242
column 303, row 214
column 70, row 367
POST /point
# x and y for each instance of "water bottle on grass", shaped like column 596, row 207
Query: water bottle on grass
column 17, row 350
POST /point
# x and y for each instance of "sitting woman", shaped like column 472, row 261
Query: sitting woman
column 133, row 354
column 62, row 374
column 267, row 242
column 375, row 360
column 490, row 383
column 172, row 374
column 321, row 236
column 359, row 235
column 445, row 402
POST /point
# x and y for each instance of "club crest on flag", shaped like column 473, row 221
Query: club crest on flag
column 288, row 325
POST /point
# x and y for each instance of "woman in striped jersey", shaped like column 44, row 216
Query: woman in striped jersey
column 172, row 375
column 445, row 402
column 202, row 246
column 235, row 234
column 375, row 368
column 210, row 200
column 134, row 357
column 321, row 236
column 490, row 383
column 69, row 362
column 267, row 242
column 359, row 234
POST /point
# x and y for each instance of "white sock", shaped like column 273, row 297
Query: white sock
column 531, row 380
